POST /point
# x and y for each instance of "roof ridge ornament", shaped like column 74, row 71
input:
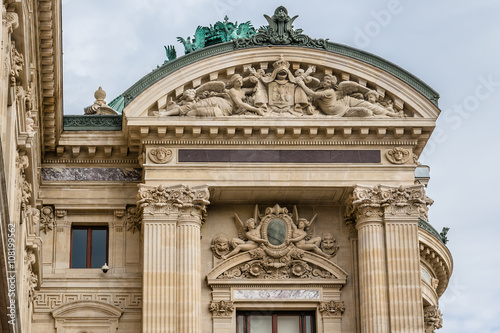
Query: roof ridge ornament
column 280, row 31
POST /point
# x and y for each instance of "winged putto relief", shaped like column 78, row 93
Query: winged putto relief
column 281, row 91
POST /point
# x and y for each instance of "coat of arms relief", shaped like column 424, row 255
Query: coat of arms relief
column 277, row 242
column 281, row 91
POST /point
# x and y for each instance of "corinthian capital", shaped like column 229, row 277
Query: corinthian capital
column 173, row 199
column 389, row 201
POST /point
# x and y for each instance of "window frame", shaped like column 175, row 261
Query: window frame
column 247, row 313
column 88, row 248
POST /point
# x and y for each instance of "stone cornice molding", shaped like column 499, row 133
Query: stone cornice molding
column 174, row 201
column 50, row 40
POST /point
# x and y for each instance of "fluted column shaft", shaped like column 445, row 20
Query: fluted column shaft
column 372, row 275
column 159, row 276
column 171, row 221
column 403, row 261
column 189, row 274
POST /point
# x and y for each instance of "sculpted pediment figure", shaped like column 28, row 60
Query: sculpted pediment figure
column 280, row 93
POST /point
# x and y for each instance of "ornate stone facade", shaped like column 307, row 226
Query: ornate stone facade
column 234, row 123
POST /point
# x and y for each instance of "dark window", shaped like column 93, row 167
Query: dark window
column 89, row 247
column 275, row 322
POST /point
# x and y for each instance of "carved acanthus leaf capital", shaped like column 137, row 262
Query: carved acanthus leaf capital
column 331, row 308
column 221, row 308
column 433, row 319
column 385, row 201
column 180, row 199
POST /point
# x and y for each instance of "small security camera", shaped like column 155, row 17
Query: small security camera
column 105, row 268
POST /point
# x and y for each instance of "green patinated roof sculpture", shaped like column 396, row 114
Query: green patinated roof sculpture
column 279, row 31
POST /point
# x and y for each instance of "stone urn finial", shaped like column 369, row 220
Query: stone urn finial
column 100, row 106
column 100, row 95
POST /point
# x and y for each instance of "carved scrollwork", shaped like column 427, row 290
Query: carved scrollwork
column 433, row 319
column 160, row 155
column 221, row 308
column 332, row 308
column 399, row 155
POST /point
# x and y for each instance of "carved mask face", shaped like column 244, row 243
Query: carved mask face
column 222, row 246
column 328, row 244
column 398, row 155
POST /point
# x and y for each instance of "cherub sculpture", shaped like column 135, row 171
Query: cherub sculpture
column 335, row 100
column 302, row 101
column 300, row 235
column 249, row 235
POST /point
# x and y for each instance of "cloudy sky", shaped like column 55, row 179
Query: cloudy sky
column 451, row 45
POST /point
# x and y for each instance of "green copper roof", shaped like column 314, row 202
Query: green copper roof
column 279, row 32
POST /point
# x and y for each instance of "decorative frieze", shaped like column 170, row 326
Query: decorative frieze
column 331, row 308
column 47, row 301
column 433, row 319
column 270, row 294
column 91, row 174
column 221, row 308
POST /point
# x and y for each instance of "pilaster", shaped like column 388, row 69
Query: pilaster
column 172, row 217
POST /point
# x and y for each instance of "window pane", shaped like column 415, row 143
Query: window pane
column 98, row 247
column 261, row 324
column 241, row 324
column 308, row 324
column 289, row 324
column 79, row 250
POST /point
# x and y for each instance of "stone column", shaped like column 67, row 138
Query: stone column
column 368, row 214
column 165, row 212
column 389, row 258
column 404, row 206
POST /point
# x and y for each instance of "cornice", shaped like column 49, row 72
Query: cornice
column 50, row 57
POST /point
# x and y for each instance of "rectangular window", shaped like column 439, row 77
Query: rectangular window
column 89, row 247
column 274, row 322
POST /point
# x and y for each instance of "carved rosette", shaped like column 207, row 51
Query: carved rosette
column 399, row 155
column 160, row 155
column 47, row 219
column 175, row 200
column 385, row 201
column 221, row 308
column 331, row 308
column 433, row 319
